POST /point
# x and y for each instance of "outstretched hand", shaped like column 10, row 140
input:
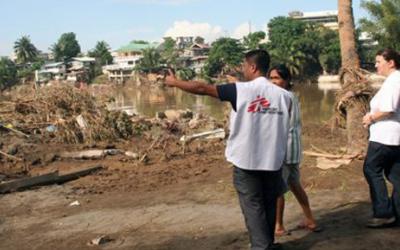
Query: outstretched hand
column 170, row 78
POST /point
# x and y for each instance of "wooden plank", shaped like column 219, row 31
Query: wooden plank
column 46, row 179
column 76, row 174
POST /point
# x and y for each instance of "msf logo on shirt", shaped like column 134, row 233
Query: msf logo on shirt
column 259, row 105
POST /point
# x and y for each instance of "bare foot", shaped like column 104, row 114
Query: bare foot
column 281, row 231
column 309, row 225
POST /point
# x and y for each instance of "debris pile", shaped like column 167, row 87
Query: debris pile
column 65, row 114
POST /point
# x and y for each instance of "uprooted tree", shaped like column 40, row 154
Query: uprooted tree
column 353, row 98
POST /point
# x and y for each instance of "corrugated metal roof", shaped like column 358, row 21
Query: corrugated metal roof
column 137, row 47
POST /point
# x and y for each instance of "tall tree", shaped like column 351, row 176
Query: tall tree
column 296, row 44
column 102, row 53
column 66, row 47
column 329, row 57
column 25, row 51
column 8, row 73
column 352, row 100
column 225, row 55
column 151, row 60
column 253, row 40
column 199, row 40
column 169, row 52
column 384, row 24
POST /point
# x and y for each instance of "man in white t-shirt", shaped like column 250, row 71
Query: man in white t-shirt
column 259, row 126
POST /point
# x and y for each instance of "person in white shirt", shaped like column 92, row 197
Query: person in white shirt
column 280, row 75
column 383, row 155
column 259, row 127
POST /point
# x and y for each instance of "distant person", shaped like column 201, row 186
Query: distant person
column 383, row 155
column 281, row 76
column 256, row 146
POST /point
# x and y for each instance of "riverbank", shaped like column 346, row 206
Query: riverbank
column 173, row 197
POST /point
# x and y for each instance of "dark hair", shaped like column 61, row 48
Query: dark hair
column 390, row 54
column 283, row 72
column 260, row 58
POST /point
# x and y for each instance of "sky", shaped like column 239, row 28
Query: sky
column 120, row 21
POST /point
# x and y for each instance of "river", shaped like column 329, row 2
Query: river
column 316, row 101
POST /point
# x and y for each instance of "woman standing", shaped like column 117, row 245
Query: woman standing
column 383, row 155
column 280, row 76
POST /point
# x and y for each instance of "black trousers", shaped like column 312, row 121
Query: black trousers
column 258, row 192
column 383, row 160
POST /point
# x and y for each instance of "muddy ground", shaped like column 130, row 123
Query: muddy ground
column 178, row 200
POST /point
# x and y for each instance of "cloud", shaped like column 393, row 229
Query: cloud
column 187, row 28
column 243, row 30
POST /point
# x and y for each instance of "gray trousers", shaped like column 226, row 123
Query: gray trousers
column 258, row 192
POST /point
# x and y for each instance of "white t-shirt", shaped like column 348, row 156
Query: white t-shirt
column 387, row 99
column 259, row 128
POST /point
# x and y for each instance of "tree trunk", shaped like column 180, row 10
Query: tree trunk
column 347, row 37
column 351, row 94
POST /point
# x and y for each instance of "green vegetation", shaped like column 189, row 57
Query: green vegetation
column 66, row 47
column 329, row 56
column 225, row 55
column 295, row 44
column 307, row 49
column 199, row 40
column 102, row 53
column 8, row 73
column 253, row 40
column 150, row 62
column 186, row 74
column 384, row 24
column 169, row 53
column 25, row 51
column 103, row 57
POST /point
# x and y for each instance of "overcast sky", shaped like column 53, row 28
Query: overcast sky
column 119, row 21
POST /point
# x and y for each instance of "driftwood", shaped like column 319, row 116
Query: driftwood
column 46, row 179
column 15, row 131
column 10, row 156
column 331, row 156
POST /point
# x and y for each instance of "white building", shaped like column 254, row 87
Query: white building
column 122, row 69
column 56, row 71
column 328, row 19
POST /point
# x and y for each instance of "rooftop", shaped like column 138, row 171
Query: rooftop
column 315, row 14
column 137, row 47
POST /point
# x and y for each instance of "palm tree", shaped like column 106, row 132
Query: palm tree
column 352, row 100
column 385, row 23
column 150, row 61
column 294, row 59
column 25, row 51
column 102, row 53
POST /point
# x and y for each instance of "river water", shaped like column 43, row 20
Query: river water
column 316, row 101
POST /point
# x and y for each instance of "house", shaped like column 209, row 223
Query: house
column 198, row 62
column 135, row 48
column 81, row 69
column 197, row 49
column 49, row 71
column 195, row 56
column 183, row 42
column 122, row 69
column 125, row 60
